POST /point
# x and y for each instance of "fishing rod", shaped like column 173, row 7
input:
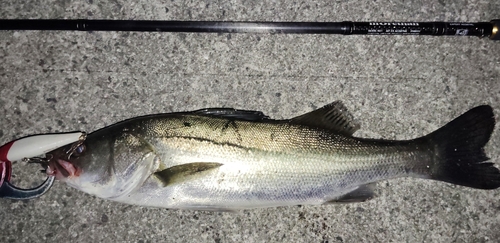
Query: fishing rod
column 479, row 29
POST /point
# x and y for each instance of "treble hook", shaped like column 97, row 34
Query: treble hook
column 26, row 148
column 7, row 190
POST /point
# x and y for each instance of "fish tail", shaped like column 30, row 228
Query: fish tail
column 459, row 150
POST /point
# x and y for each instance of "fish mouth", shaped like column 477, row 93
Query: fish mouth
column 62, row 169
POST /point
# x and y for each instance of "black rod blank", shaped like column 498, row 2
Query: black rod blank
column 479, row 29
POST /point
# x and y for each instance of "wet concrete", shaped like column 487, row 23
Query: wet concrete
column 397, row 87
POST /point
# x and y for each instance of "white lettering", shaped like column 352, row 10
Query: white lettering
column 393, row 24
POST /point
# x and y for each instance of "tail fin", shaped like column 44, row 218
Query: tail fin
column 459, row 149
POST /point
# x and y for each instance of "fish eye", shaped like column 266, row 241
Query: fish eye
column 79, row 150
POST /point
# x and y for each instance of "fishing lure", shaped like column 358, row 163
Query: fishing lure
column 27, row 149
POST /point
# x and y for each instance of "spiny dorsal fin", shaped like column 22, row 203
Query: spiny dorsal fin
column 233, row 114
column 185, row 172
column 333, row 116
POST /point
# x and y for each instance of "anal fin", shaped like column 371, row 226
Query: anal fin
column 361, row 194
column 209, row 209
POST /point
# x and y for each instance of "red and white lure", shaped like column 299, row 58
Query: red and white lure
column 29, row 147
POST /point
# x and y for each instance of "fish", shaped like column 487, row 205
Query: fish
column 225, row 159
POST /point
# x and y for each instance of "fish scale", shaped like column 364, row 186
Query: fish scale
column 312, row 173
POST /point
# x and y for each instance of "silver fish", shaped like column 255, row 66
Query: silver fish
column 227, row 159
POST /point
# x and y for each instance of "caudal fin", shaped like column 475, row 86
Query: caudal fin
column 459, row 149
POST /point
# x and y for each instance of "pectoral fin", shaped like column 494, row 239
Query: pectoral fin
column 361, row 194
column 185, row 172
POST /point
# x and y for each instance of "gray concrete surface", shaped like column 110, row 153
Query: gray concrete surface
column 397, row 87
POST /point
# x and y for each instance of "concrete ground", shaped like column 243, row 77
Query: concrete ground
column 397, row 87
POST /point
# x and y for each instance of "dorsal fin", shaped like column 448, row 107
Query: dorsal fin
column 233, row 114
column 334, row 117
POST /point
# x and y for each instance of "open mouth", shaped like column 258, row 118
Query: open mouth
column 61, row 169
